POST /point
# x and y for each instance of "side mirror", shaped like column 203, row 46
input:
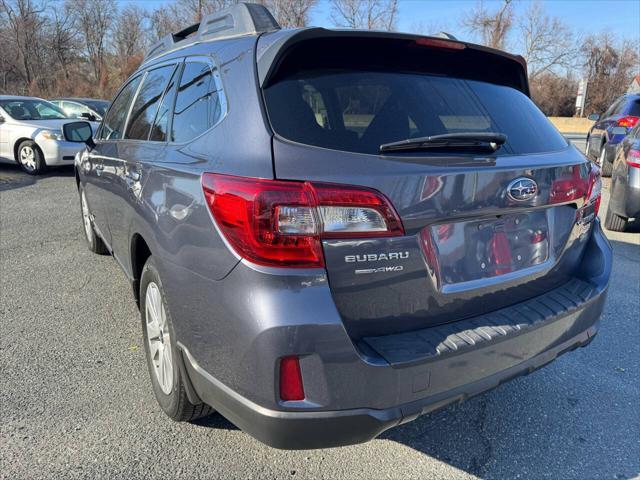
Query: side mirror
column 594, row 117
column 2, row 119
column 89, row 116
column 79, row 132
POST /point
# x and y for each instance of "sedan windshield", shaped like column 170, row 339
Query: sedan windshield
column 32, row 110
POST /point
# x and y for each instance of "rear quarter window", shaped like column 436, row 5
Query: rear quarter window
column 198, row 103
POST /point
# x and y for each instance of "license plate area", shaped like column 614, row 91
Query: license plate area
column 478, row 249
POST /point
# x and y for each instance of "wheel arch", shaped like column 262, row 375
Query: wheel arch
column 140, row 252
column 19, row 142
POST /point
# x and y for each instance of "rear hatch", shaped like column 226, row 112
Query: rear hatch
column 486, row 223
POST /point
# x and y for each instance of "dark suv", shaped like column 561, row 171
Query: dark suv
column 330, row 233
column 610, row 129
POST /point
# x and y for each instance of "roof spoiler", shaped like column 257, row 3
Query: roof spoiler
column 273, row 48
column 234, row 21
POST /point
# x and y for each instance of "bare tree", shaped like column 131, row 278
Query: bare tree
column 609, row 67
column 548, row 43
column 62, row 39
column 290, row 13
column 492, row 26
column 94, row 19
column 365, row 14
column 164, row 20
column 25, row 20
column 555, row 95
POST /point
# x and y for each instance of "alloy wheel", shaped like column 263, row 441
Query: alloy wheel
column 158, row 338
column 86, row 216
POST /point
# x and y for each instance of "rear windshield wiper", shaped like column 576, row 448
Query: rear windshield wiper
column 467, row 141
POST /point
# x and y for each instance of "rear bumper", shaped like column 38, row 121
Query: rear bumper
column 324, row 429
column 448, row 366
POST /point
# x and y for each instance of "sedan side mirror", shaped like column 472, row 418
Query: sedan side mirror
column 79, row 132
column 2, row 119
column 594, row 117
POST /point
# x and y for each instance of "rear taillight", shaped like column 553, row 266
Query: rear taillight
column 281, row 223
column 633, row 158
column 628, row 121
column 291, row 387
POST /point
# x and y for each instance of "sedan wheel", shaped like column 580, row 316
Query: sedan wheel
column 158, row 338
column 30, row 158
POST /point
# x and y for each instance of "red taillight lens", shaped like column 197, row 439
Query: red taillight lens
column 291, row 387
column 246, row 211
column 281, row 223
column 633, row 158
column 628, row 121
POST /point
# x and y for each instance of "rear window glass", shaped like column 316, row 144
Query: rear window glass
column 358, row 111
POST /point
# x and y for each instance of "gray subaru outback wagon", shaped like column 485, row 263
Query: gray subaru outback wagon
column 330, row 233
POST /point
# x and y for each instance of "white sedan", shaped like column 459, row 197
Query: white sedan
column 31, row 134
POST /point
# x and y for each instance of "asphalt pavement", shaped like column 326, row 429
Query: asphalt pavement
column 76, row 400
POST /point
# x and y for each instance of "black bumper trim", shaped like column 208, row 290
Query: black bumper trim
column 433, row 343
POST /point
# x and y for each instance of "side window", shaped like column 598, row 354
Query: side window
column 197, row 104
column 160, row 129
column 113, row 123
column 146, row 103
column 74, row 110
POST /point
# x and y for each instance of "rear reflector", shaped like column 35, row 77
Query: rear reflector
column 281, row 223
column 628, row 121
column 291, row 387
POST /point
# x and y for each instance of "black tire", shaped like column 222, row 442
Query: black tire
column 175, row 403
column 605, row 165
column 614, row 222
column 94, row 242
column 30, row 158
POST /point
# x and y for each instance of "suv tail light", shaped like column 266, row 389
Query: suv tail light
column 281, row 223
column 628, row 121
column 633, row 158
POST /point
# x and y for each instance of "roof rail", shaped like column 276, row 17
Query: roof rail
column 234, row 21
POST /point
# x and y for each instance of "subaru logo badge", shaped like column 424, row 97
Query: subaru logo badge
column 522, row 189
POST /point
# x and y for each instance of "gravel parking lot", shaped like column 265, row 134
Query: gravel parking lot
column 76, row 401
